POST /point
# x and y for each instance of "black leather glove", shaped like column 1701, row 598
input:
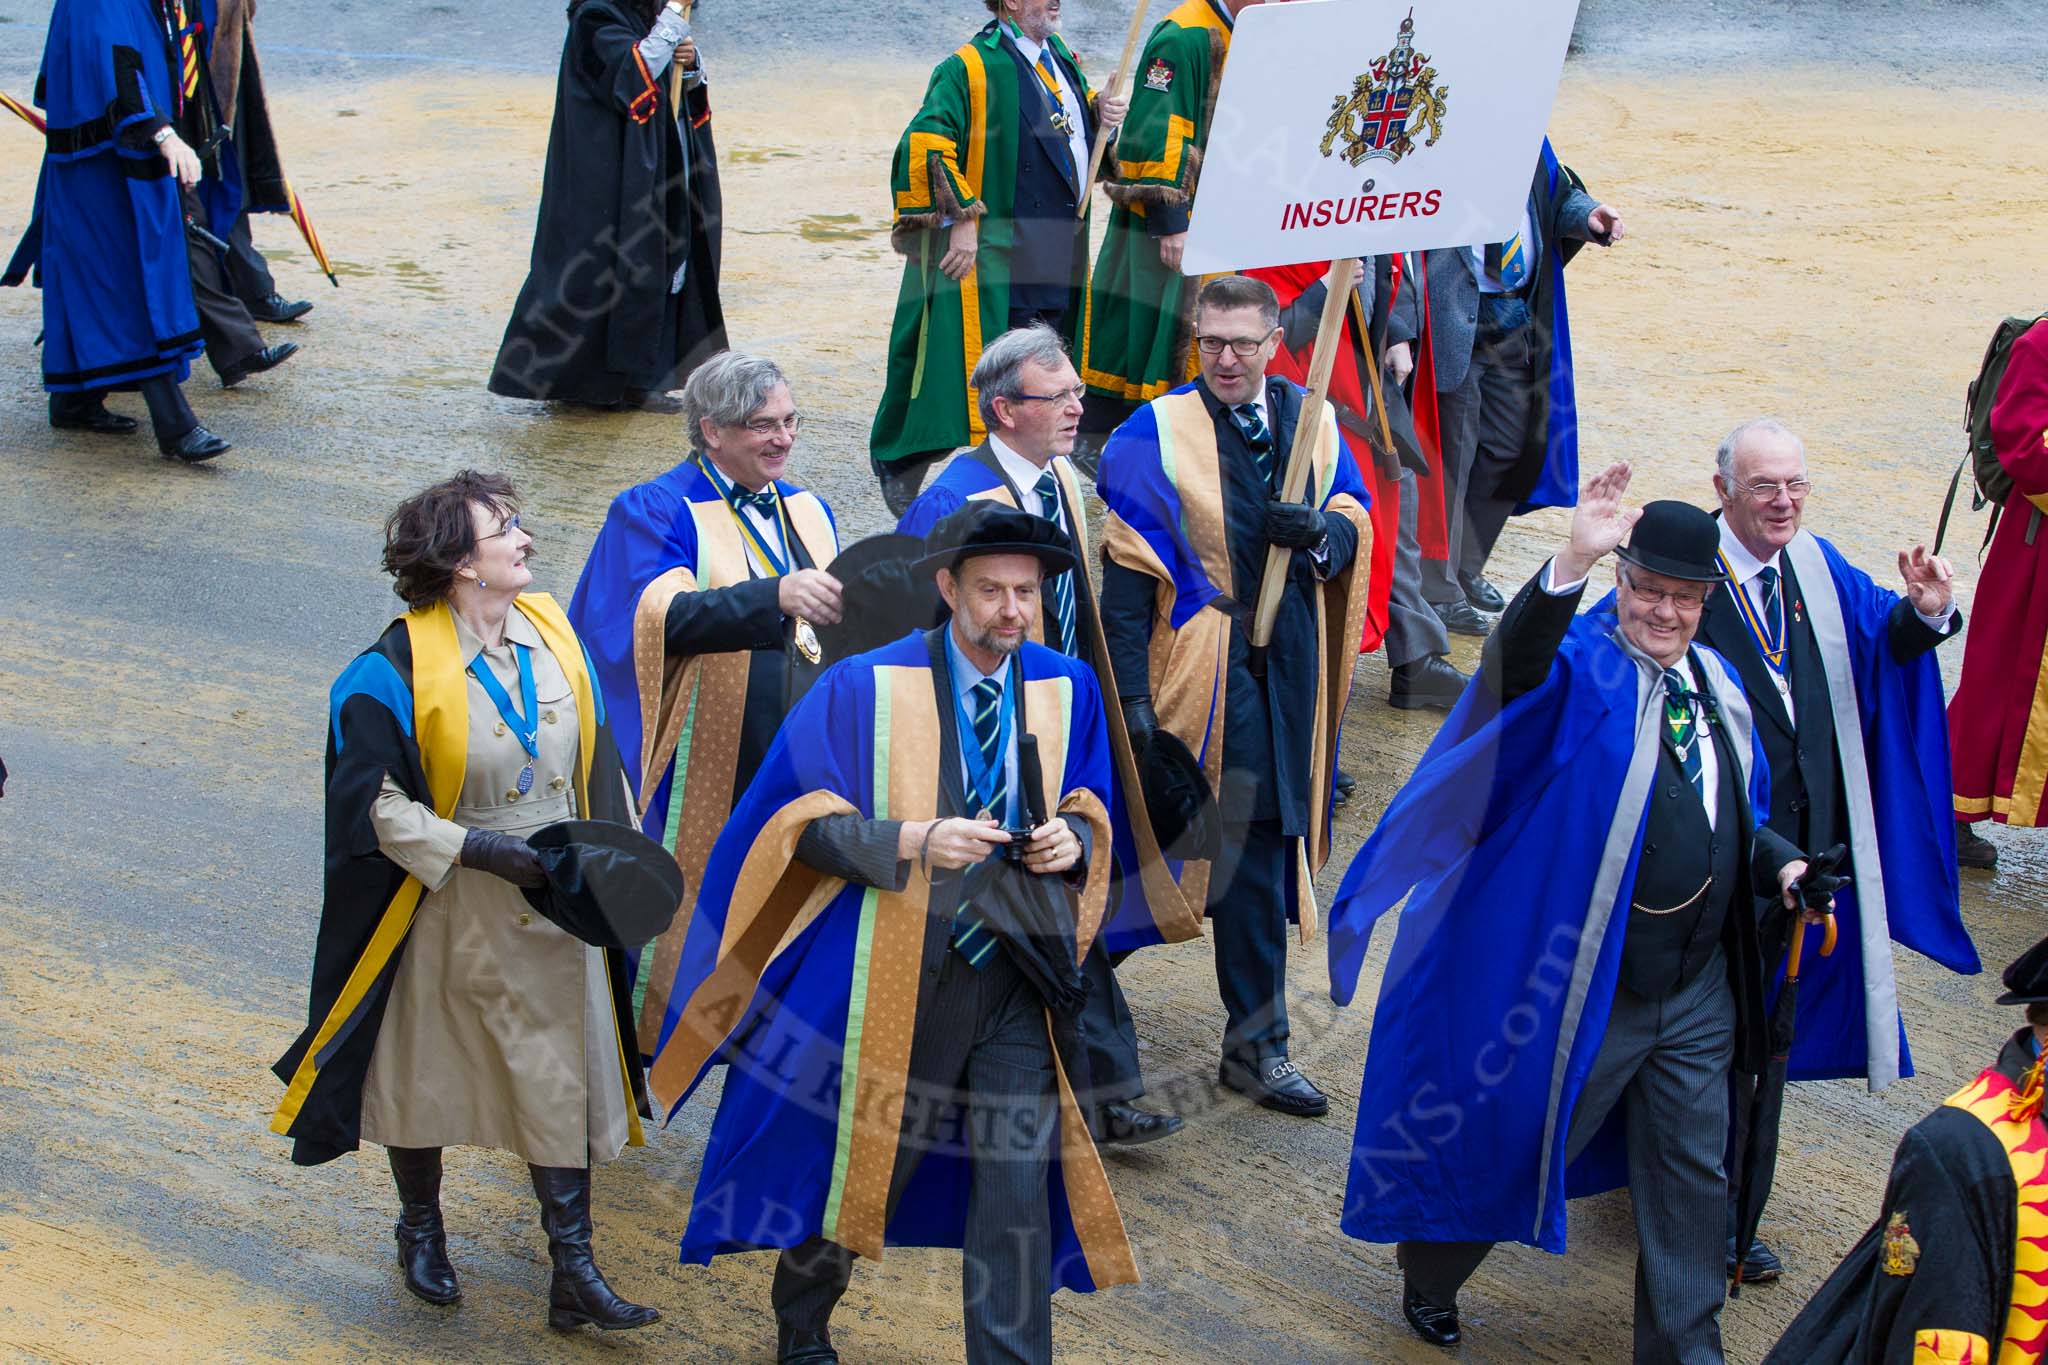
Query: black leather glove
column 502, row 855
column 1816, row 888
column 1140, row 720
column 1294, row 525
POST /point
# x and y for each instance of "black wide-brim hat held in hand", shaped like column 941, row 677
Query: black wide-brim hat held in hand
column 886, row 594
column 608, row 884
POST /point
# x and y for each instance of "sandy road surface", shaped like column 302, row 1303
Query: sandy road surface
column 1835, row 253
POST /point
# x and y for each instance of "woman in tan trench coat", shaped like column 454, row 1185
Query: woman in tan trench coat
column 497, row 1028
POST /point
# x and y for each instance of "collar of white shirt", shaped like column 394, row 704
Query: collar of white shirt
column 965, row 674
column 1019, row 471
column 1741, row 562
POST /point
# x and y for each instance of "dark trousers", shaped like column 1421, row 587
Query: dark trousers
column 170, row 416
column 1108, row 1033
column 1248, row 918
column 981, row 1045
column 1414, row 632
column 1667, row 1060
column 1484, row 422
column 224, row 321
column 248, row 272
column 1024, row 317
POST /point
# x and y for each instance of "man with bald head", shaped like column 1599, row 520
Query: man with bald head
column 1847, row 697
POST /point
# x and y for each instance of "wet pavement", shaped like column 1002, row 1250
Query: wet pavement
column 168, row 634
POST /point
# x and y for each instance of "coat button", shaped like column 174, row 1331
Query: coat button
column 499, row 729
column 555, row 784
column 512, row 794
column 1671, row 792
column 525, row 919
column 548, row 715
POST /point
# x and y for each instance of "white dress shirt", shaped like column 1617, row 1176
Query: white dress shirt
column 1025, row 475
column 768, row 527
column 1070, row 99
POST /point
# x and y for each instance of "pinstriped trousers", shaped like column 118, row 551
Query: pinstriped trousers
column 1667, row 1060
column 980, row 1053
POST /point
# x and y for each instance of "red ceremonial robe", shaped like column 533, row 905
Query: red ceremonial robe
column 1998, row 718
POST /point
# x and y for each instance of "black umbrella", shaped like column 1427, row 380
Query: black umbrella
column 1760, row 1149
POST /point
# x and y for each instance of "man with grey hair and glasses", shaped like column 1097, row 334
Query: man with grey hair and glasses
column 1840, row 674
column 699, row 606
column 1029, row 398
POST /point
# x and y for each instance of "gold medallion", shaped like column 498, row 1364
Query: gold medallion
column 807, row 641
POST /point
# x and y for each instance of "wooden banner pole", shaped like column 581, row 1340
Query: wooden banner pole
column 675, row 70
column 1307, row 427
column 1115, row 88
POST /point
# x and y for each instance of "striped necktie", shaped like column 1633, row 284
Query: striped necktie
column 1063, row 584
column 1257, row 437
column 1773, row 616
column 1681, row 730
column 1510, row 262
column 971, row 936
column 188, row 51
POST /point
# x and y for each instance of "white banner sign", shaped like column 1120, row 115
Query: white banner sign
column 1358, row 127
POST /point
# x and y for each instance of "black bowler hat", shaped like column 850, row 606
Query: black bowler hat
column 884, row 596
column 2026, row 980
column 1178, row 799
column 989, row 528
column 608, row 884
column 1677, row 540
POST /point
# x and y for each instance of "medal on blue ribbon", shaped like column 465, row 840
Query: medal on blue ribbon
column 526, row 728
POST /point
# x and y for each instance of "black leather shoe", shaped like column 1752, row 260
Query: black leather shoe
column 96, row 419
column 195, row 445
column 1275, row 1083
column 275, row 309
column 577, row 1292
column 1120, row 1123
column 651, row 400
column 1482, row 594
column 1342, row 788
column 801, row 1346
column 1972, row 848
column 422, row 1240
column 1428, row 681
column 1761, row 1267
column 269, row 358
column 1462, row 618
column 1437, row 1326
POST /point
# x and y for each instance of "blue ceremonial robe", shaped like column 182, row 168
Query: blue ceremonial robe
column 1171, row 520
column 1135, row 921
column 816, row 1032
column 1502, row 964
column 107, row 239
column 707, row 716
column 1907, row 839
column 1557, row 484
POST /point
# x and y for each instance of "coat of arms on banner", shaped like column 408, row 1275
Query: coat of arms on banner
column 1393, row 101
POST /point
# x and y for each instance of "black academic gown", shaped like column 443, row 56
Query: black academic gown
column 624, row 204
column 1952, row 1182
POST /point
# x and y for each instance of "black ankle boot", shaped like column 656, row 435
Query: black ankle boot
column 422, row 1241
column 577, row 1292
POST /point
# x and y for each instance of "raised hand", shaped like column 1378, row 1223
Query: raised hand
column 1600, row 522
column 1930, row 585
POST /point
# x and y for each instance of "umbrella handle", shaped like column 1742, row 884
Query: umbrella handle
column 1827, row 945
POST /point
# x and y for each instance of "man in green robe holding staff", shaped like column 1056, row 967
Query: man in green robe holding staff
column 988, row 198
column 1140, row 309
